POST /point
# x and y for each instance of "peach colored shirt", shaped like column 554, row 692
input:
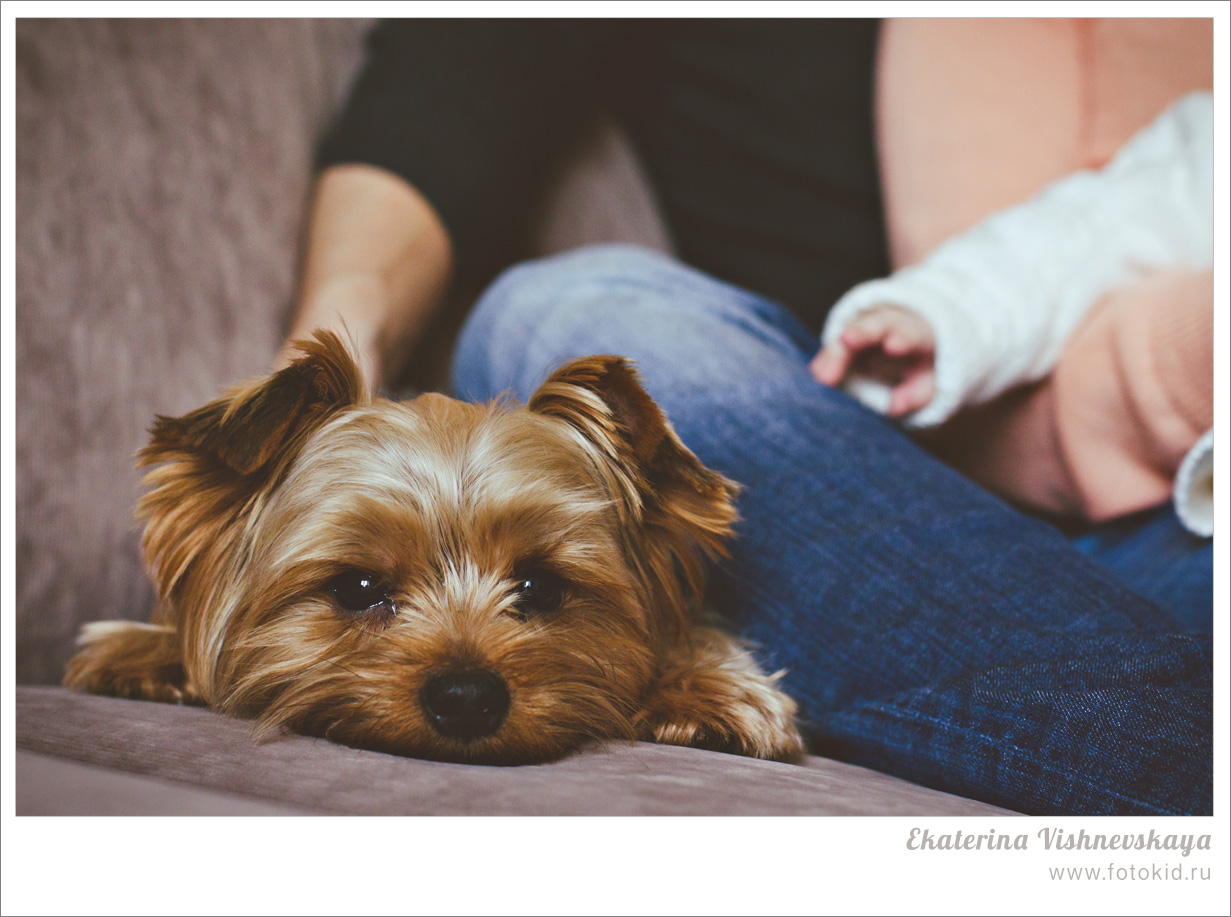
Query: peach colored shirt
column 976, row 116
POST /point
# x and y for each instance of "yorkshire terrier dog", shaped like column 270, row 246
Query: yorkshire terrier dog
column 438, row 579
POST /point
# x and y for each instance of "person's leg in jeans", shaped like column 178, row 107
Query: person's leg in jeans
column 929, row 630
column 1155, row 556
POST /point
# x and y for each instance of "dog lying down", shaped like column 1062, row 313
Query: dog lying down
column 438, row 579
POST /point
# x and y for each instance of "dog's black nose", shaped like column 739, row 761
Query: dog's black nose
column 465, row 704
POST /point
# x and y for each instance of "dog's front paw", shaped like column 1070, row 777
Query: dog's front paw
column 757, row 721
column 127, row 659
column 716, row 697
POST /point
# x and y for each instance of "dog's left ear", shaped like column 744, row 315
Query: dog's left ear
column 211, row 461
column 251, row 425
column 662, row 483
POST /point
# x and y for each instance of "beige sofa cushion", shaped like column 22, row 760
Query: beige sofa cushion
column 191, row 746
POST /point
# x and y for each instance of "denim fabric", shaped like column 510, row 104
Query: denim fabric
column 1159, row 558
column 928, row 629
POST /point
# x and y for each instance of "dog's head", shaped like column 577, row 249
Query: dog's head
column 430, row 578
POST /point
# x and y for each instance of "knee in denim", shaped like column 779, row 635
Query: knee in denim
column 577, row 276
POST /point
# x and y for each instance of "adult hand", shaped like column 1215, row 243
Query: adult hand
column 889, row 345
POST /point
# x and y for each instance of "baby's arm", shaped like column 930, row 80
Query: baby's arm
column 1112, row 429
column 1002, row 298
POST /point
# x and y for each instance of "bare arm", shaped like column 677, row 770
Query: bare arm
column 377, row 265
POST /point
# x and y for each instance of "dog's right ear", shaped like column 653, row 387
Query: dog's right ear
column 252, row 425
column 684, row 510
column 214, row 460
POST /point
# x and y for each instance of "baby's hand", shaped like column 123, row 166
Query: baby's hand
column 889, row 345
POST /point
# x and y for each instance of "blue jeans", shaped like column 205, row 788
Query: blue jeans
column 928, row 630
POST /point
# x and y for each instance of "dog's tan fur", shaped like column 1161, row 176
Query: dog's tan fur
column 260, row 498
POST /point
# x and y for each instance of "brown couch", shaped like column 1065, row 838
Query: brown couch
column 162, row 173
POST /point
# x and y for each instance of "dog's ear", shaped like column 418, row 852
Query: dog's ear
column 664, row 487
column 213, row 461
column 250, row 426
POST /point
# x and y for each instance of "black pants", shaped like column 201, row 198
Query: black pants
column 757, row 135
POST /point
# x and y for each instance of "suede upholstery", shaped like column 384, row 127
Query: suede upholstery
column 203, row 749
column 162, row 173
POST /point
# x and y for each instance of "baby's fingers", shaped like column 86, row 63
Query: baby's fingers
column 916, row 390
column 867, row 330
column 902, row 342
column 830, row 365
column 908, row 334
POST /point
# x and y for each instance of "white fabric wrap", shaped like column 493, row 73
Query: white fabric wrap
column 1194, row 488
column 1003, row 297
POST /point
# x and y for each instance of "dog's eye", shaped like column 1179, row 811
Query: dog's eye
column 538, row 591
column 356, row 590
